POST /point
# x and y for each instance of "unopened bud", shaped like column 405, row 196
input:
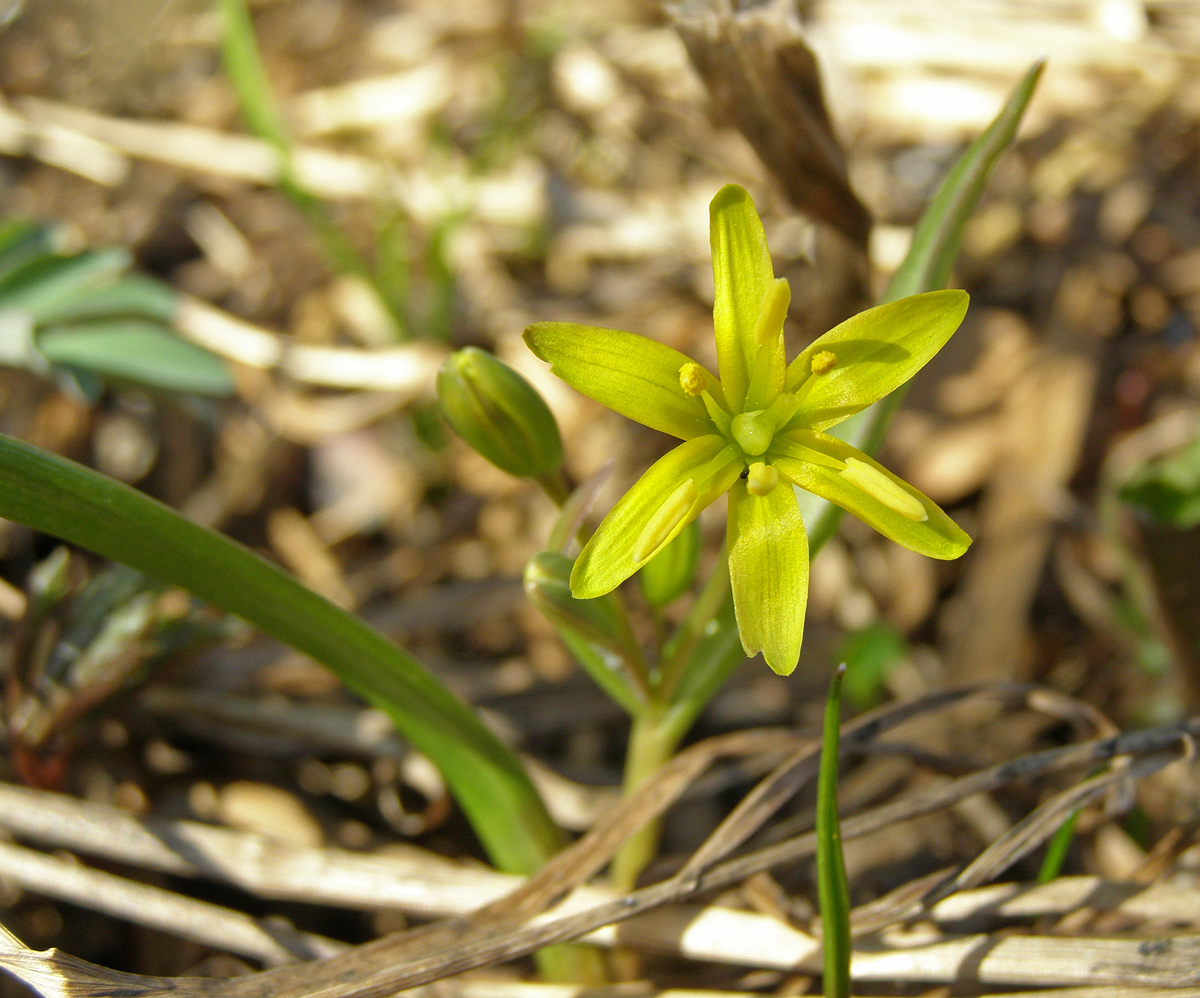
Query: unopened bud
column 669, row 574
column 499, row 414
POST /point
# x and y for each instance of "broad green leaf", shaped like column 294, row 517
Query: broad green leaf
column 22, row 241
column 816, row 462
column 59, row 497
column 1168, row 489
column 926, row 268
column 38, row 286
column 833, row 891
column 870, row 654
column 871, row 355
column 132, row 297
column 607, row 559
column 768, row 569
column 633, row 375
column 742, row 272
column 140, row 352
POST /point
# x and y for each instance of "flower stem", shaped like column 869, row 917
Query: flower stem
column 651, row 743
column 677, row 654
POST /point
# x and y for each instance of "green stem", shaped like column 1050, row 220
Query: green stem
column 652, row 742
column 833, row 892
column 680, row 649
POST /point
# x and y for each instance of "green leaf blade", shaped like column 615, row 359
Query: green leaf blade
column 938, row 234
column 926, row 267
column 51, row 494
column 630, row 374
column 39, row 285
column 141, row 352
column 768, row 570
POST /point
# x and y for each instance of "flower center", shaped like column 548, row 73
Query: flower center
column 752, row 431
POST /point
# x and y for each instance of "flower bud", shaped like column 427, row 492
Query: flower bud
column 499, row 413
column 667, row 575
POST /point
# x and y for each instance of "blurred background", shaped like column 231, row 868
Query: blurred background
column 476, row 165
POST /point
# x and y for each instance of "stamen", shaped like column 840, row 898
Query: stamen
column 665, row 519
column 692, row 379
column 772, row 311
column 718, row 415
column 877, row 485
column 822, row 361
column 752, row 432
column 782, row 409
column 762, row 479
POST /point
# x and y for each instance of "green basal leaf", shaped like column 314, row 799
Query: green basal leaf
column 132, row 297
column 22, row 241
column 38, row 286
column 669, row 574
column 607, row 559
column 870, row 654
column 768, row 570
column 742, row 272
column 833, row 890
column 137, row 351
column 927, row 266
column 633, row 375
column 939, row 232
column 880, row 500
column 64, row 499
column 872, row 354
column 1168, row 489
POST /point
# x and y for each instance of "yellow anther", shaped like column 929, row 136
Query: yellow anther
column 761, row 479
column 666, row 518
column 877, row 485
column 692, row 379
column 772, row 311
column 823, row 360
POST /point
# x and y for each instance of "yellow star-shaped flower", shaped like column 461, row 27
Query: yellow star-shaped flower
column 756, row 431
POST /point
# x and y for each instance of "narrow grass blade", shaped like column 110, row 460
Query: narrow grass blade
column 833, row 892
column 245, row 69
column 1056, row 850
column 926, row 268
column 48, row 493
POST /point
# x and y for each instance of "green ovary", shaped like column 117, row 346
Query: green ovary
column 752, row 433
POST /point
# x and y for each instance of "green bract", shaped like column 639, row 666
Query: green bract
column 759, row 425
